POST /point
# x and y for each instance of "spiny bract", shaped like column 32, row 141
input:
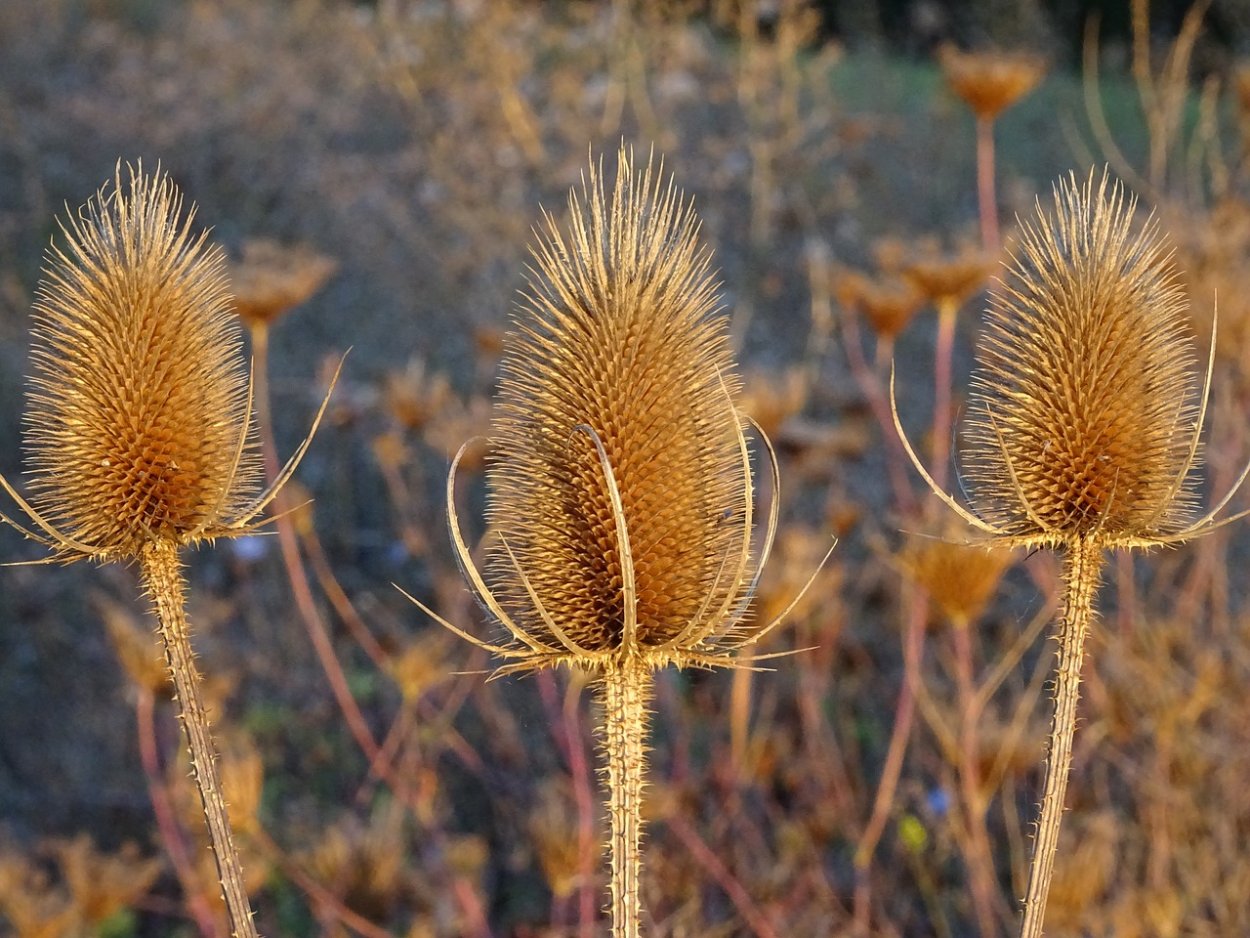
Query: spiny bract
column 137, row 426
column 1084, row 404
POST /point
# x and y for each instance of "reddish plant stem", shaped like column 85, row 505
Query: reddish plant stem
column 904, row 717
column 986, row 197
column 947, row 308
column 980, row 857
column 305, row 604
column 721, row 875
column 870, row 386
column 166, row 822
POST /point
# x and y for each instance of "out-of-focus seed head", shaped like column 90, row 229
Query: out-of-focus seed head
column 990, row 82
column 1084, row 402
column 136, row 423
column 272, row 278
column 616, row 342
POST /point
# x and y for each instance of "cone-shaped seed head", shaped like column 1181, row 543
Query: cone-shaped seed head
column 137, row 399
column 1083, row 403
column 616, row 334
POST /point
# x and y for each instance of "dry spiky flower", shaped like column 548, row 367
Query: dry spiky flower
column 1085, row 427
column 948, row 282
column 139, row 427
column 990, row 82
column 620, row 481
column 272, row 278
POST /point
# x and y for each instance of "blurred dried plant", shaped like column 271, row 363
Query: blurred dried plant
column 271, row 278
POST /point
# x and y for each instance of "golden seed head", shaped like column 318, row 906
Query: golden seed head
column 615, row 341
column 961, row 579
column 990, row 82
column 949, row 279
column 135, row 426
column 272, row 278
column 1083, row 403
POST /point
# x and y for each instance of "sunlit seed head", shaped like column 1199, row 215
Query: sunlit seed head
column 617, row 334
column 137, row 395
column 1083, row 404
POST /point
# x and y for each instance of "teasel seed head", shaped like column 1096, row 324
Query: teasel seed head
column 137, row 421
column 1084, row 397
column 138, row 426
column 619, row 478
column 1085, row 410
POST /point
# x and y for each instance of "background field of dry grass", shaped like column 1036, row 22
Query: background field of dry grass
column 414, row 144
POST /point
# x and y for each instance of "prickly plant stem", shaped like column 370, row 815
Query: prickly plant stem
column 986, row 197
column 163, row 581
column 1082, row 563
column 624, row 692
column 166, row 823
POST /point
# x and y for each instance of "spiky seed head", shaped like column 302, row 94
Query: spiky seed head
column 135, row 425
column 1083, row 403
column 616, row 335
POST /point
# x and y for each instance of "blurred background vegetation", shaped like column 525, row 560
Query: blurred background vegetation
column 374, row 170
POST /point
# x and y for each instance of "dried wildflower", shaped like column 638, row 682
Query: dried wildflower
column 101, row 883
column 271, row 278
column 139, row 427
column 888, row 304
column 990, row 82
column 959, row 578
column 620, row 483
column 949, row 281
column 416, row 396
column 1084, row 428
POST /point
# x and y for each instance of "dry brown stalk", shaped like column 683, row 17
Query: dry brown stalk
column 139, row 428
column 620, row 480
column 1085, row 427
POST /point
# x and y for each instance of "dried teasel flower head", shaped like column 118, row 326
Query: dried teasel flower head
column 1085, row 411
column 620, row 483
column 990, row 82
column 138, row 426
column 272, row 278
column 949, row 280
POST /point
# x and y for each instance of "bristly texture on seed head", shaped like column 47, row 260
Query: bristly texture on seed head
column 616, row 345
column 1084, row 404
column 138, row 425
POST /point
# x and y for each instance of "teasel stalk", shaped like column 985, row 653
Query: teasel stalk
column 620, row 480
column 139, row 431
column 1084, row 429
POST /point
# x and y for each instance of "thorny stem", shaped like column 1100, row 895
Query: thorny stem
column 166, row 823
column 986, row 198
column 1081, row 566
column 624, row 692
column 162, row 578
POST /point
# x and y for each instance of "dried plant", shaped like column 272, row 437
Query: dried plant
column 1084, row 429
column 139, row 429
column 620, row 481
column 989, row 83
column 271, row 278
